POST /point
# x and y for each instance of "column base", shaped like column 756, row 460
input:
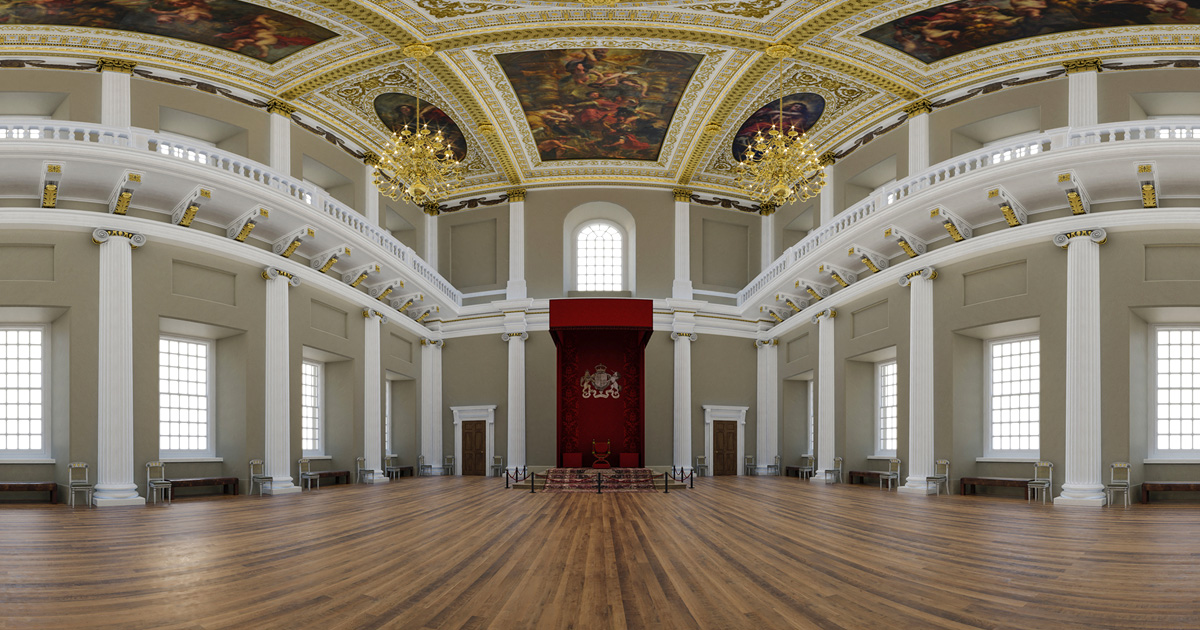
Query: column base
column 1082, row 496
column 108, row 502
column 378, row 477
column 681, row 290
column 281, row 485
column 921, row 488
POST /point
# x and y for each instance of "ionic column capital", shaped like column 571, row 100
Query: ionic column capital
column 677, row 336
column 1097, row 235
column 101, row 235
column 763, row 344
column 368, row 313
column 271, row 273
column 433, row 343
column 928, row 273
column 828, row 314
column 514, row 336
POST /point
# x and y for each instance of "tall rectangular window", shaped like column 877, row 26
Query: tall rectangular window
column 184, row 394
column 1177, row 392
column 24, row 421
column 885, row 414
column 1014, row 400
column 312, row 408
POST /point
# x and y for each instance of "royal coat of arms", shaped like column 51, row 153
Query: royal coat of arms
column 601, row 384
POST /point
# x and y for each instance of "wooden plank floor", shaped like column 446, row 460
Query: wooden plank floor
column 446, row 552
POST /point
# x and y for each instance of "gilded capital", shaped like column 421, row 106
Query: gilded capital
column 767, row 208
column 101, row 235
column 115, row 65
column 826, row 159
column 276, row 106
column 827, row 314
column 682, row 194
column 432, row 209
column 1096, row 235
column 516, row 194
column 370, row 158
column 915, row 108
column 271, row 273
column 417, row 51
column 1092, row 64
column 928, row 273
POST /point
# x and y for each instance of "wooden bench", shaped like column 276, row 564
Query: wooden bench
column 31, row 486
column 226, row 484
column 1002, row 482
column 864, row 475
column 1168, row 486
column 338, row 476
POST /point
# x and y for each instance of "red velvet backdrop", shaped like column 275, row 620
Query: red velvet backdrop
column 613, row 333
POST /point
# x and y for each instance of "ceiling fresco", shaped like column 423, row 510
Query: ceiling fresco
column 397, row 110
column 599, row 103
column 239, row 27
column 954, row 28
column 794, row 111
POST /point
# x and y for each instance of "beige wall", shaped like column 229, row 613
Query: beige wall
column 473, row 249
column 725, row 248
column 82, row 103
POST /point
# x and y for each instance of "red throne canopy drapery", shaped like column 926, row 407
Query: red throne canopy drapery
column 601, row 358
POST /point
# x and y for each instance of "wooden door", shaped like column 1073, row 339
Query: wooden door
column 474, row 448
column 725, row 448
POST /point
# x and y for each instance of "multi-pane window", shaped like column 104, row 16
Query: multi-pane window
column 1177, row 397
column 598, row 258
column 1014, row 399
column 885, row 418
column 311, row 408
column 184, row 391
column 23, row 417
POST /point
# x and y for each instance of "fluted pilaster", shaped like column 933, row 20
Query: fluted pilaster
column 372, row 384
column 431, row 403
column 826, row 397
column 682, row 287
column 767, row 403
column 920, row 380
column 277, row 416
column 683, row 399
column 516, row 398
column 115, row 99
column 517, row 287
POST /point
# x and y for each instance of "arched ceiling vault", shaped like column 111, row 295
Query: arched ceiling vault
column 864, row 59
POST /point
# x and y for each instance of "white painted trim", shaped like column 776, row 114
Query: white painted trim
column 474, row 413
column 1159, row 460
column 27, row 461
column 724, row 413
column 1008, row 460
column 191, row 460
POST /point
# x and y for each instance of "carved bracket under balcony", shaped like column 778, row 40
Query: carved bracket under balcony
column 122, row 194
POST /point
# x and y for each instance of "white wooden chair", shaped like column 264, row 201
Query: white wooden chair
column 1118, row 481
column 77, row 481
column 940, row 477
column 259, row 476
column 834, row 475
column 157, row 483
column 1043, row 481
column 892, row 476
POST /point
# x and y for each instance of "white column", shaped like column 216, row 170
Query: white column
column 431, row 237
column 828, row 211
column 115, row 99
column 767, row 403
column 516, row 248
column 277, row 410
column 826, row 404
column 431, row 403
column 683, row 399
column 280, row 156
column 370, row 192
column 920, row 380
column 1083, row 96
column 768, row 236
column 1084, row 482
column 372, row 382
column 918, row 135
column 516, row 399
column 115, row 483
column 682, row 287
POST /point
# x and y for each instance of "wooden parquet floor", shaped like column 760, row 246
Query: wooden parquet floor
column 445, row 552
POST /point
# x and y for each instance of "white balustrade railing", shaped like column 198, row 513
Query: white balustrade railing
column 1157, row 129
column 258, row 173
column 64, row 130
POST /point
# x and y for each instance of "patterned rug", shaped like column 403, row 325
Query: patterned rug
column 613, row 480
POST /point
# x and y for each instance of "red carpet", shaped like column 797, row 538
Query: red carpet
column 614, row 480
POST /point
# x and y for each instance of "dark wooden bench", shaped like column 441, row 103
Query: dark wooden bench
column 794, row 471
column 864, row 475
column 31, row 486
column 399, row 471
column 1168, row 486
column 338, row 476
column 1002, row 482
column 226, row 484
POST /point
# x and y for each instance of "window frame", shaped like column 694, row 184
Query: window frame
column 1153, row 451
column 45, row 453
column 879, row 407
column 210, row 396
column 1010, row 454
column 622, row 256
column 320, row 407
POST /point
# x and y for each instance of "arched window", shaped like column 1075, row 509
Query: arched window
column 599, row 256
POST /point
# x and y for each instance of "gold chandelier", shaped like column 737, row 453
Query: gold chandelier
column 418, row 164
column 781, row 166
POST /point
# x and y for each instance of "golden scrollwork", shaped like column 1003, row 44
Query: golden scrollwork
column 50, row 196
column 276, row 106
column 115, row 65
column 1091, row 64
column 122, row 205
column 516, row 194
column 682, row 194
column 371, row 158
column 916, row 108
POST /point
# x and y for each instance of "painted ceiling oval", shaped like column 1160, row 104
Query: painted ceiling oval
column 247, row 29
column 396, row 110
column 801, row 109
column 954, row 28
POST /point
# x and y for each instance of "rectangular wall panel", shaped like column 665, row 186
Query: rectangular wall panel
column 726, row 251
column 204, row 283
column 1172, row 262
column 870, row 318
column 798, row 348
column 473, row 255
column 994, row 283
column 326, row 318
column 27, row 262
